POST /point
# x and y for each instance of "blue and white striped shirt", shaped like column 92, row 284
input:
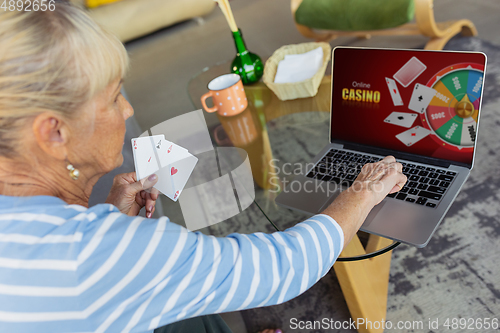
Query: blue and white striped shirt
column 66, row 268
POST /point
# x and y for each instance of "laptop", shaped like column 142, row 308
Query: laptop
column 420, row 106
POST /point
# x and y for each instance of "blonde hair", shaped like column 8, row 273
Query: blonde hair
column 52, row 61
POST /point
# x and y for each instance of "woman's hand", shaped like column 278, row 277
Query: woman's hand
column 129, row 195
column 380, row 179
column 372, row 185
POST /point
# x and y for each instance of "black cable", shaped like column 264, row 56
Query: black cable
column 356, row 258
column 371, row 255
column 258, row 206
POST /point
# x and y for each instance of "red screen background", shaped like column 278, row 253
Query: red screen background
column 363, row 122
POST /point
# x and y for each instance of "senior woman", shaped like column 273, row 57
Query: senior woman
column 65, row 267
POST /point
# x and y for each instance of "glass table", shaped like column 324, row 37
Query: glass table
column 280, row 138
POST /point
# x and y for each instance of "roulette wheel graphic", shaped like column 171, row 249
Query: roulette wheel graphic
column 452, row 114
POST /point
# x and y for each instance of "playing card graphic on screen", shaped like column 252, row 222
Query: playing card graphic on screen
column 393, row 89
column 404, row 119
column 409, row 72
column 425, row 103
column 420, row 98
column 412, row 136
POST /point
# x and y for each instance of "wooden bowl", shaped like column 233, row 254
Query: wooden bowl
column 302, row 89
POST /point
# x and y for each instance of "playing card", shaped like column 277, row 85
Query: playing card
column 409, row 72
column 164, row 183
column 170, row 152
column 413, row 135
column 146, row 155
column 403, row 119
column 421, row 97
column 173, row 178
column 393, row 89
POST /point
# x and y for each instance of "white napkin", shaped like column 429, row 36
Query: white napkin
column 299, row 67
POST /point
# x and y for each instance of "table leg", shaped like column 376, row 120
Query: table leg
column 365, row 283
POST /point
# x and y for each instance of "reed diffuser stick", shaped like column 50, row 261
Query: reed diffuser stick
column 228, row 14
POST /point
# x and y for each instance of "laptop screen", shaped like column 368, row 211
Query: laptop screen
column 420, row 102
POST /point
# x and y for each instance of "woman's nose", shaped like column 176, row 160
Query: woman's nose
column 128, row 110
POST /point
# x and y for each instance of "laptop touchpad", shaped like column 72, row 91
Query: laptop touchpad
column 308, row 195
column 372, row 214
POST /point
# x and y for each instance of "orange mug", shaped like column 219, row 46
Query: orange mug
column 227, row 94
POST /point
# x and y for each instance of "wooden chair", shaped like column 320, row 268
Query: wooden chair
column 439, row 33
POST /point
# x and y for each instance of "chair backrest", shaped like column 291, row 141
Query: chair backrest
column 354, row 15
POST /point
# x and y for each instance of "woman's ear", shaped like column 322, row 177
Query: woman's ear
column 51, row 135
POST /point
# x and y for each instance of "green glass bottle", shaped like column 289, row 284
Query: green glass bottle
column 246, row 64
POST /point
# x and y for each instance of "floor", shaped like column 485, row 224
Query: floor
column 164, row 62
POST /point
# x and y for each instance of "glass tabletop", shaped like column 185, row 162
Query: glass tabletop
column 280, row 137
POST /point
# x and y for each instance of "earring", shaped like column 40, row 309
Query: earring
column 73, row 173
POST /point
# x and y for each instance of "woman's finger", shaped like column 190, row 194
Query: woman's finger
column 395, row 189
column 140, row 200
column 375, row 172
column 154, row 193
column 150, row 205
column 367, row 169
column 400, row 180
column 399, row 167
column 143, row 184
column 379, row 171
column 388, row 159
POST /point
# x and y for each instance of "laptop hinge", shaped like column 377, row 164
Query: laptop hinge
column 399, row 154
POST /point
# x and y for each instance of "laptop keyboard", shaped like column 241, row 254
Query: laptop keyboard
column 426, row 186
